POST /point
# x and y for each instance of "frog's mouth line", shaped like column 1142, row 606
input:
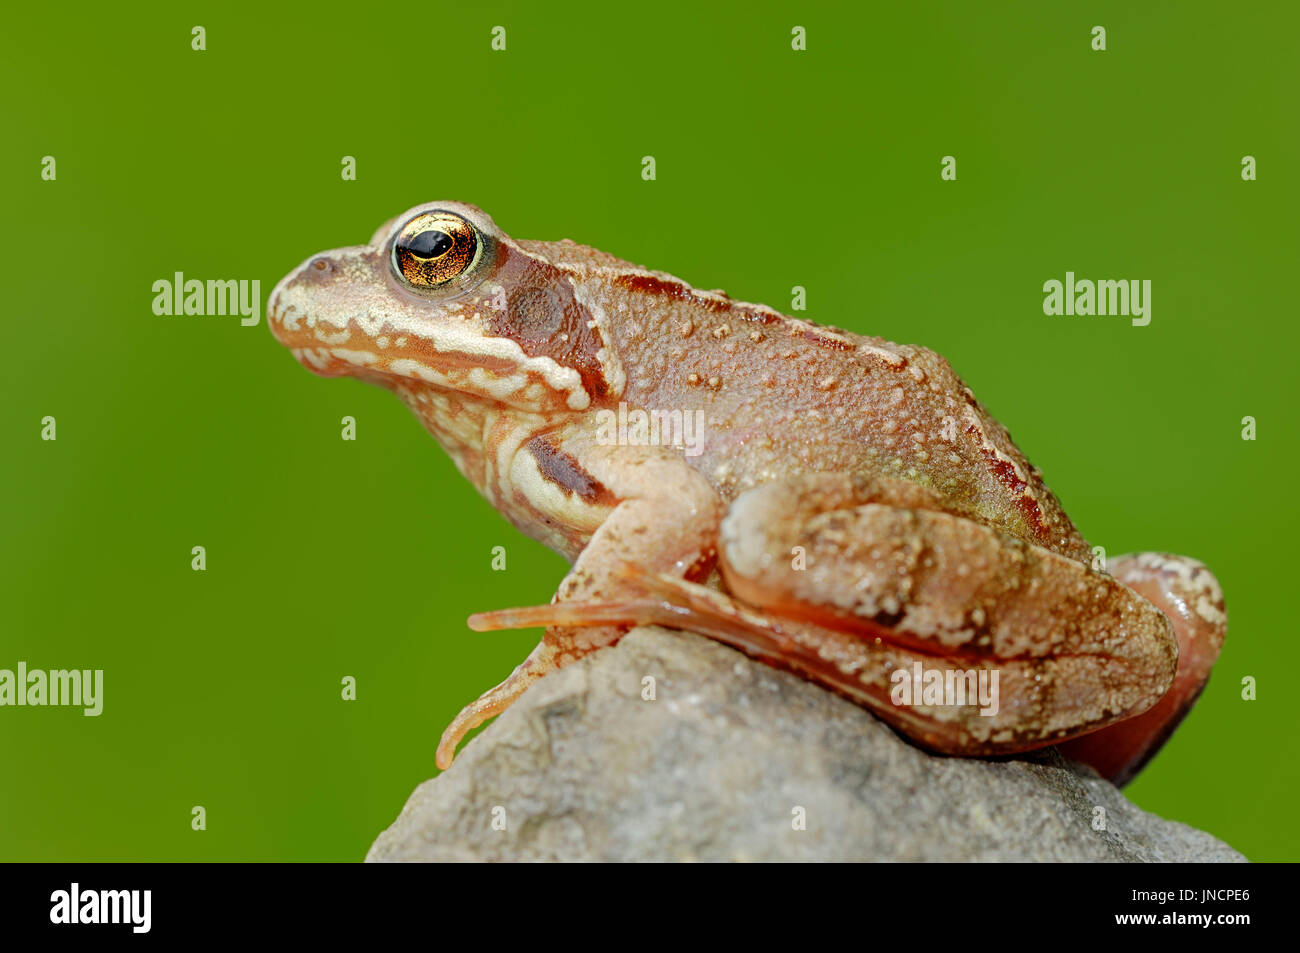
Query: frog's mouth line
column 378, row 346
column 390, row 361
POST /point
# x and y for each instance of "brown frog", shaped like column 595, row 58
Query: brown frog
column 833, row 504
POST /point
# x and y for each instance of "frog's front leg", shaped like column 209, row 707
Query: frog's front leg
column 664, row 519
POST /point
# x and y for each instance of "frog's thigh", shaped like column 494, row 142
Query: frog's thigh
column 1187, row 592
column 942, row 585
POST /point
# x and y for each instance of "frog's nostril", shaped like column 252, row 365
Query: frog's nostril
column 321, row 270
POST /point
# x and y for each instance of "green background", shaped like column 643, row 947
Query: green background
column 329, row 558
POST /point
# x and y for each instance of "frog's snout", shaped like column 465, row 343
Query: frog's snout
column 310, row 308
column 293, row 296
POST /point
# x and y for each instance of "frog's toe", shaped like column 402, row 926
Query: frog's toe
column 544, row 658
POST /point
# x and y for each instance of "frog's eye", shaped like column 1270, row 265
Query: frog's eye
column 433, row 248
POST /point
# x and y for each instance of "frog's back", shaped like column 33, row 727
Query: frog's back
column 782, row 396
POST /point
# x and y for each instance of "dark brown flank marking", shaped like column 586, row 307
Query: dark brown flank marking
column 1006, row 474
column 562, row 469
column 544, row 318
column 649, row 284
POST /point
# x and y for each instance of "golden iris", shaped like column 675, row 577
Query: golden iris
column 433, row 248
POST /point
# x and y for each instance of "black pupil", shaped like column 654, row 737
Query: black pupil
column 431, row 244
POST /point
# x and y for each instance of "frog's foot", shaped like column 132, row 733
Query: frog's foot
column 655, row 599
column 860, row 669
column 863, row 660
column 1189, row 595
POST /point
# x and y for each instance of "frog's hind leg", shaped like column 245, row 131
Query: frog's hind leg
column 653, row 599
column 662, row 599
column 1072, row 649
column 1188, row 594
column 863, row 669
column 857, row 583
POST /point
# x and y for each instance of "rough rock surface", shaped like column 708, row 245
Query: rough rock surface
column 718, row 766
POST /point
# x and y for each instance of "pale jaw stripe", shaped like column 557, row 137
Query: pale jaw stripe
column 521, row 386
column 363, row 358
column 467, row 338
column 317, row 357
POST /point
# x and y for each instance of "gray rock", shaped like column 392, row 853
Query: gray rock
column 715, row 768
